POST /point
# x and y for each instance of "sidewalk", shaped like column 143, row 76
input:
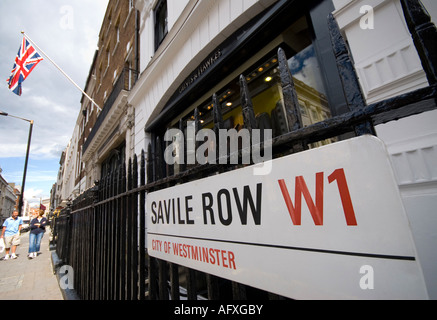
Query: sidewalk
column 24, row 279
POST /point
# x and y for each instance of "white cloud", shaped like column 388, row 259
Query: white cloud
column 33, row 195
column 43, row 103
column 13, row 150
column 48, row 151
column 41, row 176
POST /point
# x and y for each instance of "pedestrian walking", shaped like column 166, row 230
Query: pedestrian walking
column 11, row 234
column 37, row 230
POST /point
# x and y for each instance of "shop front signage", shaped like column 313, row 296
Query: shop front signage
column 327, row 223
column 208, row 63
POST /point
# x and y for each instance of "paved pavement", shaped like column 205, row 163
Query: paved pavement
column 24, row 279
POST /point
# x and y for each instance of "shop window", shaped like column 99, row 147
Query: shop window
column 265, row 86
column 161, row 26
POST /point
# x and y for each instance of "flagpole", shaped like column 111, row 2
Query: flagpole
column 62, row 71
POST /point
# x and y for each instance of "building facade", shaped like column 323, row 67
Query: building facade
column 106, row 136
column 8, row 199
column 103, row 135
column 56, row 192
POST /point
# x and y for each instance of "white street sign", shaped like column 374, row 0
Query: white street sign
column 327, row 223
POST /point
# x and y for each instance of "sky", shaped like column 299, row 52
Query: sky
column 67, row 31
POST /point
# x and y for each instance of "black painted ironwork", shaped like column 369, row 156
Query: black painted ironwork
column 351, row 85
column 424, row 34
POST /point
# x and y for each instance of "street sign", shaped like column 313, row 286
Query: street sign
column 326, row 223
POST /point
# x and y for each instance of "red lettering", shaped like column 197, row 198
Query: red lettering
column 218, row 257
column 301, row 188
column 221, row 258
column 175, row 249
column 205, row 255
column 224, row 258
column 345, row 196
column 231, row 259
column 211, row 254
column 194, row 253
column 316, row 209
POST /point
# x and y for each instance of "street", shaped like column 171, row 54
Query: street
column 29, row 279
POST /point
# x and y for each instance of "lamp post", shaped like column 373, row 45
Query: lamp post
column 20, row 202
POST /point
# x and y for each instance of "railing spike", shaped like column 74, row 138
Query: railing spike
column 291, row 103
column 218, row 121
column 183, row 157
column 246, row 105
column 150, row 162
column 424, row 34
column 351, row 85
column 159, row 159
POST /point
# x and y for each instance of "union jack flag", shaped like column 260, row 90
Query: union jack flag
column 26, row 60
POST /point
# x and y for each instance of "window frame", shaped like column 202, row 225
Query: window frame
column 161, row 8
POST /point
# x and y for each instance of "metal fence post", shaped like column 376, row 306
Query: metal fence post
column 424, row 34
column 351, row 85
